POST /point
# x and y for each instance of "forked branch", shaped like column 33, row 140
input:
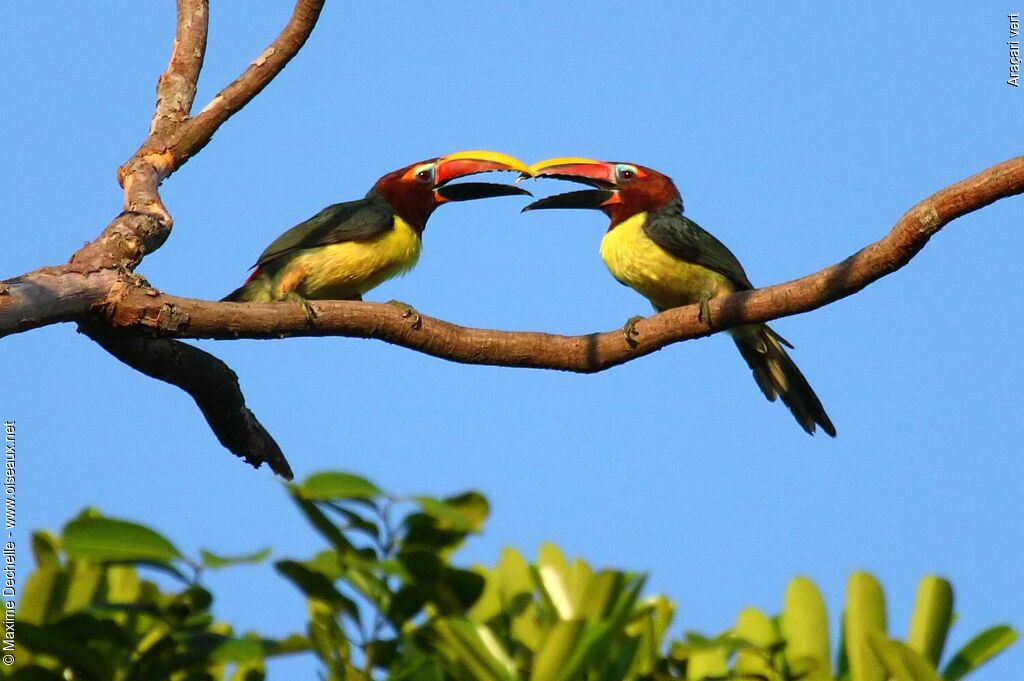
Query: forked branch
column 102, row 269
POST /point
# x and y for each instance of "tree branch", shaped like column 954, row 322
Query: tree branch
column 101, row 270
column 160, row 314
column 210, row 382
column 196, row 133
column 176, row 89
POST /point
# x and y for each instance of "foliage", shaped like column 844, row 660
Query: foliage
column 385, row 601
column 85, row 612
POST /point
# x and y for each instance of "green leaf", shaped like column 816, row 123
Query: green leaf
column 123, row 584
column 489, row 605
column 755, row 627
column 293, row 643
column 595, row 595
column 558, row 646
column 322, row 524
column 515, row 576
column 889, row 656
column 109, row 539
column 462, row 513
column 38, row 595
column 239, row 651
column 458, row 590
column 902, row 663
column 476, row 648
column 919, row 668
column 422, row 566
column 328, row 640
column 865, row 613
column 45, row 549
column 49, row 640
column 87, row 628
column 336, row 485
column 406, row 603
column 978, row 651
column 215, row 561
column 597, row 637
column 933, row 614
column 707, row 663
column 82, row 583
column 453, row 591
column 554, row 577
column 619, row 667
column 357, row 522
column 805, row 628
column 317, row 586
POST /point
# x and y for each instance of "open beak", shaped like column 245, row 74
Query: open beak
column 597, row 174
column 465, row 163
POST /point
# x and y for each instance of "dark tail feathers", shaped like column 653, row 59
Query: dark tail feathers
column 777, row 374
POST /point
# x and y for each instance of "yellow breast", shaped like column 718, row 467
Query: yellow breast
column 352, row 268
column 664, row 279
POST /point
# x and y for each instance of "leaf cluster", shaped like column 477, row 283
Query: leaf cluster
column 386, row 601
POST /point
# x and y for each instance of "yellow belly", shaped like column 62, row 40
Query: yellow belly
column 659, row 276
column 350, row 269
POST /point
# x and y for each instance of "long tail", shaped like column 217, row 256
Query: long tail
column 777, row 375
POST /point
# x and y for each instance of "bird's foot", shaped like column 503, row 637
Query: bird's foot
column 409, row 312
column 629, row 330
column 307, row 309
column 704, row 315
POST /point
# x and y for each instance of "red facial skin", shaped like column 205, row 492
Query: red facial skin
column 412, row 194
column 411, row 197
column 648, row 190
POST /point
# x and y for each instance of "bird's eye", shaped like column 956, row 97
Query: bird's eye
column 425, row 174
column 626, row 173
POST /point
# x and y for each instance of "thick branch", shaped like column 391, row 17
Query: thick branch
column 185, row 318
column 210, row 382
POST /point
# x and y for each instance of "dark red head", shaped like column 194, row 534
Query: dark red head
column 414, row 191
column 621, row 190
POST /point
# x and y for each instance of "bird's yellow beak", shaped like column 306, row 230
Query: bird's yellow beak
column 598, row 174
column 575, row 168
column 463, row 163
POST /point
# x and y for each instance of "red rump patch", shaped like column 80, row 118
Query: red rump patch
column 255, row 273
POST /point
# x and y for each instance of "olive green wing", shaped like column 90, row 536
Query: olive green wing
column 350, row 221
column 686, row 240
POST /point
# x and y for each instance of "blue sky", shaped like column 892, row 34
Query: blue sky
column 796, row 134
